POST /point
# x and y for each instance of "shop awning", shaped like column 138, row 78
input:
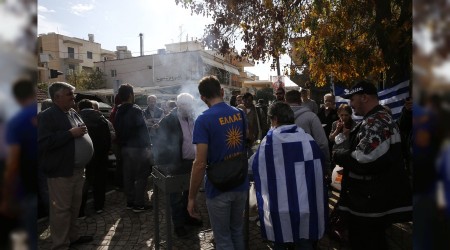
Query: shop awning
column 213, row 63
column 231, row 69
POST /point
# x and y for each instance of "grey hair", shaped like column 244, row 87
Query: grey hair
column 94, row 104
column 56, row 87
column 185, row 98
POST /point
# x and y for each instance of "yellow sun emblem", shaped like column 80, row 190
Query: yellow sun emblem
column 233, row 137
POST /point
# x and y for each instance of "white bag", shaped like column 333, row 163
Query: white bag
column 253, row 208
column 336, row 178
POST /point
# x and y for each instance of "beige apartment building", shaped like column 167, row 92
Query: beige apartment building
column 68, row 55
column 176, row 68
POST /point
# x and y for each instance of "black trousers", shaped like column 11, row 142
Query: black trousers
column 367, row 234
column 96, row 174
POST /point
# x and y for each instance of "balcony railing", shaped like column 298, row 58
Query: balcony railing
column 74, row 56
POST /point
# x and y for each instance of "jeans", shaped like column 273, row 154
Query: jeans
column 226, row 216
column 136, row 169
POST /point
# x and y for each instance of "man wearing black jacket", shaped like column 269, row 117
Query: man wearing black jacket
column 375, row 187
column 177, row 156
column 96, row 169
column 64, row 150
column 134, row 140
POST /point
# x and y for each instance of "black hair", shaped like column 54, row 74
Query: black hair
column 24, row 89
column 247, row 95
column 209, row 87
column 125, row 90
column 85, row 104
column 282, row 112
column 293, row 96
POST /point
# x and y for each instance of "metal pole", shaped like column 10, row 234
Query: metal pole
column 156, row 214
column 278, row 66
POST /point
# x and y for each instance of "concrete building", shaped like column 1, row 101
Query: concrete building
column 68, row 55
column 176, row 68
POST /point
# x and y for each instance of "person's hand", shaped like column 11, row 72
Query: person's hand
column 339, row 126
column 409, row 104
column 191, row 207
column 78, row 131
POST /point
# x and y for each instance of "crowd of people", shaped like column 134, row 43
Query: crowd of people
column 292, row 146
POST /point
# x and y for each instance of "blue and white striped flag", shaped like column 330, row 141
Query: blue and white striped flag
column 292, row 199
column 393, row 97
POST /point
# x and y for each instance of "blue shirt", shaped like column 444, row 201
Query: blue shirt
column 222, row 128
column 22, row 130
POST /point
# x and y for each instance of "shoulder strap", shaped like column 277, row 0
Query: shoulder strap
column 245, row 127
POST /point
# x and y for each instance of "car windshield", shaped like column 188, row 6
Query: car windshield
column 104, row 105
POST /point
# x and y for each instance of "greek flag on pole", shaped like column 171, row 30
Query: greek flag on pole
column 393, row 97
column 292, row 199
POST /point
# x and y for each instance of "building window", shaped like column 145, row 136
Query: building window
column 89, row 55
column 71, row 52
column 113, row 73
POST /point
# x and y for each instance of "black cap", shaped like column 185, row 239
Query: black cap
column 361, row 87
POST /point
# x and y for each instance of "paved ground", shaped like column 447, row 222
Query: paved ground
column 118, row 228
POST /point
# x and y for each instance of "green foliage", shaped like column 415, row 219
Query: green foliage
column 85, row 80
column 348, row 39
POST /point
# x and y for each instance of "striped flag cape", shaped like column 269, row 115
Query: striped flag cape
column 292, row 200
column 393, row 97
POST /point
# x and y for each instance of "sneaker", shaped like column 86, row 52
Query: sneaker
column 130, row 206
column 141, row 209
column 180, row 232
column 81, row 216
column 99, row 211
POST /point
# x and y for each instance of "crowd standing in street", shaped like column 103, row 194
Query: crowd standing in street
column 291, row 166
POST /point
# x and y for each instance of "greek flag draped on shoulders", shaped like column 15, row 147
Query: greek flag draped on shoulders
column 292, row 200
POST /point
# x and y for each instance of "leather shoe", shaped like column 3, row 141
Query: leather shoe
column 82, row 239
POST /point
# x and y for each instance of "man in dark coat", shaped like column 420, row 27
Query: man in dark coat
column 375, row 187
column 65, row 148
column 176, row 157
column 96, row 169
